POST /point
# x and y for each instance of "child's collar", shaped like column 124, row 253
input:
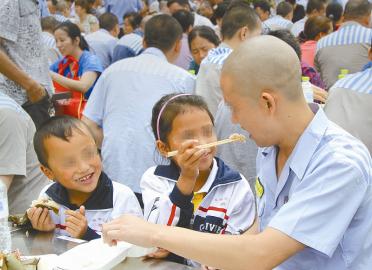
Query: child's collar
column 101, row 198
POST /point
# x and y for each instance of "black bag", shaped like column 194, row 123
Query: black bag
column 39, row 111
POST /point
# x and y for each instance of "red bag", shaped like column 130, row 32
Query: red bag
column 73, row 106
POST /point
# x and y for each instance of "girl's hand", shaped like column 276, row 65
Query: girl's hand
column 40, row 219
column 188, row 159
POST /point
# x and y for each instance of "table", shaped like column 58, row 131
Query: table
column 39, row 243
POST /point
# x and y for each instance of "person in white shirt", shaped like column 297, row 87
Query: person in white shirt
column 313, row 8
column 103, row 41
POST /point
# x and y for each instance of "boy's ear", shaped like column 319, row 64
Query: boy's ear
column 162, row 148
column 48, row 173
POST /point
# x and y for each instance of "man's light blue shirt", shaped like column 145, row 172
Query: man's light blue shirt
column 102, row 44
column 122, row 103
column 122, row 7
column 322, row 199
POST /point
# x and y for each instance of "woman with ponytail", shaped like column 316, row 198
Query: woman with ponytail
column 78, row 70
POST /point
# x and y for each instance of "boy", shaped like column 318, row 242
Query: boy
column 68, row 155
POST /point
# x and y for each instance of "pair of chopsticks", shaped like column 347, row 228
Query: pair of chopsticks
column 232, row 138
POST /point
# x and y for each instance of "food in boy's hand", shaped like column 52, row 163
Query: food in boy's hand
column 13, row 261
column 237, row 137
column 46, row 203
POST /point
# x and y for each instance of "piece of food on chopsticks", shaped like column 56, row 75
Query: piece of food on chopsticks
column 46, row 203
column 232, row 138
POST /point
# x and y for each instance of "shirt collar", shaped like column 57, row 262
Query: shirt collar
column 349, row 23
column 101, row 198
column 157, row 52
column 212, row 176
column 307, row 143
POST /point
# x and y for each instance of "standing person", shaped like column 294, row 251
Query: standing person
column 196, row 190
column 315, row 28
column 201, row 40
column 313, row 8
column 19, row 167
column 239, row 23
column 87, row 22
column 307, row 166
column 27, row 82
column 120, row 7
column 186, row 20
column 103, row 41
column 347, row 48
column 121, row 116
column 78, row 70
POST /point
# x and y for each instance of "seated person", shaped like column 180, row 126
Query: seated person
column 320, row 95
column 78, row 70
column 196, row 190
column 201, row 40
column 68, row 155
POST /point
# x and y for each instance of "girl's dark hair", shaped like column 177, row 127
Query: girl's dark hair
column 316, row 25
column 73, row 31
column 85, row 4
column 204, row 32
column 172, row 109
column 334, row 12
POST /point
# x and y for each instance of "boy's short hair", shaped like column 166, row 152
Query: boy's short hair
column 108, row 21
column 60, row 127
column 283, row 9
column 134, row 19
column 236, row 17
column 315, row 5
column 48, row 23
column 185, row 19
column 162, row 32
column 262, row 4
column 356, row 9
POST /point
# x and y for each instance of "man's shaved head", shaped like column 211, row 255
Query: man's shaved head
column 264, row 63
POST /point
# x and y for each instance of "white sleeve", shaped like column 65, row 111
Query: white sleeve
column 163, row 202
column 243, row 209
column 208, row 85
column 124, row 202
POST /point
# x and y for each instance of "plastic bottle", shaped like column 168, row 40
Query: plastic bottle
column 307, row 89
column 5, row 240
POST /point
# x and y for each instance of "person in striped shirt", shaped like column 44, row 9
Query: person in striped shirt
column 282, row 19
column 347, row 48
column 349, row 104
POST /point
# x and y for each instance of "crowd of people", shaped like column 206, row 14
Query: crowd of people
column 94, row 95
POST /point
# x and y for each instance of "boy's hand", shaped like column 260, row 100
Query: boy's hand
column 76, row 222
column 40, row 219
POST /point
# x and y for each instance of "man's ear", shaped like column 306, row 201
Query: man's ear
column 144, row 44
column 178, row 46
column 48, row 173
column 162, row 148
column 268, row 102
column 244, row 33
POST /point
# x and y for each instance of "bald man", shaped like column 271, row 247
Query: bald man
column 314, row 191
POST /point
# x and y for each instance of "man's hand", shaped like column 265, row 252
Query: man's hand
column 40, row 219
column 319, row 94
column 160, row 253
column 35, row 92
column 131, row 229
column 76, row 222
